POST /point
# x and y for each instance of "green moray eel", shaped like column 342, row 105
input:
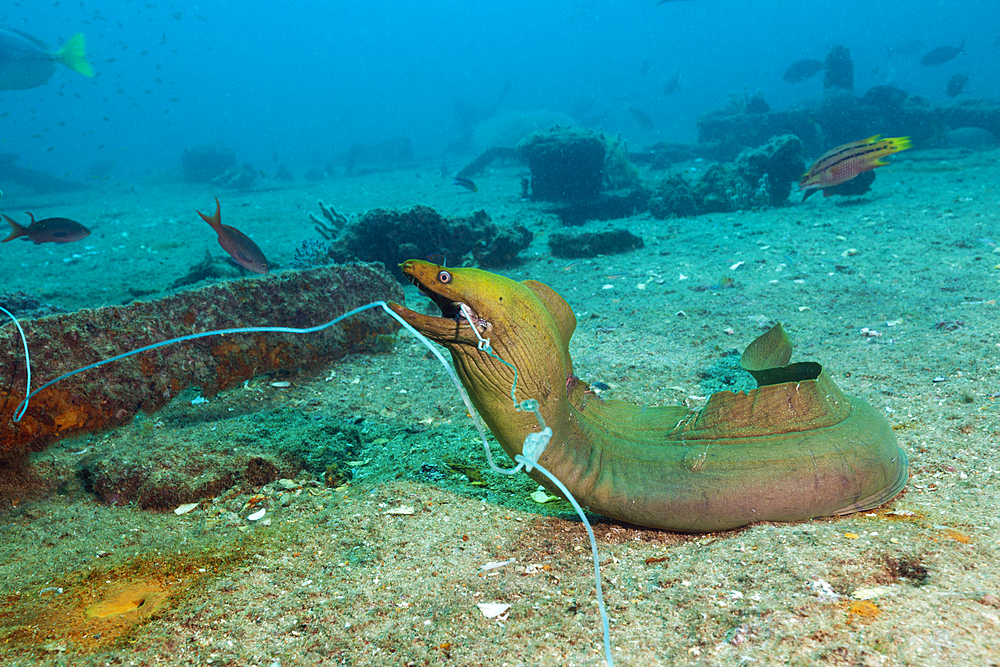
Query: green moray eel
column 795, row 448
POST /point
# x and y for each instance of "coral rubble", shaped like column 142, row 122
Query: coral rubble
column 759, row 177
column 392, row 237
column 566, row 163
column 591, row 244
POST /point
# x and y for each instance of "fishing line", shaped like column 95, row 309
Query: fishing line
column 27, row 360
column 534, row 443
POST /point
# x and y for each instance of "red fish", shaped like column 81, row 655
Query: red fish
column 845, row 162
column 239, row 246
column 49, row 230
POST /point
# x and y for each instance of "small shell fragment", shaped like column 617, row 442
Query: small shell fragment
column 872, row 593
column 496, row 564
column 540, row 496
column 259, row 514
column 185, row 508
column 492, row 609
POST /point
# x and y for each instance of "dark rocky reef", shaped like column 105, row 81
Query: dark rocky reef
column 217, row 165
column 566, row 163
column 588, row 175
column 775, row 166
column 610, row 241
column 608, row 206
column 842, row 117
column 662, row 154
column 839, row 69
column 759, row 178
column 674, row 198
column 392, row 237
column 726, row 131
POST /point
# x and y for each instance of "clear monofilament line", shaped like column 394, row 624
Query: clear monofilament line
column 534, row 445
column 605, row 624
column 27, row 364
column 23, row 406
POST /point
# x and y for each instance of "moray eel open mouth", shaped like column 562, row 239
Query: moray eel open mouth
column 452, row 298
column 449, row 309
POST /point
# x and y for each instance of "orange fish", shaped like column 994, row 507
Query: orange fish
column 845, row 162
column 239, row 246
column 48, row 230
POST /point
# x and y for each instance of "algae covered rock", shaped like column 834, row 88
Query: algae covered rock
column 619, row 172
column 393, row 236
column 565, row 163
column 97, row 401
column 759, row 177
column 611, row 241
column 673, row 198
column 775, row 165
column 719, row 190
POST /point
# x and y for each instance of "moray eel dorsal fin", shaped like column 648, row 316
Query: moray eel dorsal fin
column 795, row 448
column 770, row 350
column 767, row 357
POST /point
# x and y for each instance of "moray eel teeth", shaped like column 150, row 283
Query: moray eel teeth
column 794, row 448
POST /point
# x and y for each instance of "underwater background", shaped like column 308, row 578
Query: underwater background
column 306, row 80
column 323, row 498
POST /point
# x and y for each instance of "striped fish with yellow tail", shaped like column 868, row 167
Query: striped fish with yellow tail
column 845, row 162
column 795, row 448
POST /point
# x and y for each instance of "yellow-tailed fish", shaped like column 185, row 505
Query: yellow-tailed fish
column 26, row 62
column 845, row 162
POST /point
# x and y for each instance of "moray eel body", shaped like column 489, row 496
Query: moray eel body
column 795, row 448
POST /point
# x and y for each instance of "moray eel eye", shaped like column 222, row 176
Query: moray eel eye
column 444, row 277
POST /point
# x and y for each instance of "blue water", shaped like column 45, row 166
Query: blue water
column 301, row 81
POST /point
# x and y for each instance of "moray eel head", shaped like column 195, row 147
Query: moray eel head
column 517, row 317
column 528, row 326
column 460, row 296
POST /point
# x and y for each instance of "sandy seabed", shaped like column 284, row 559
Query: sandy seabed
column 894, row 293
